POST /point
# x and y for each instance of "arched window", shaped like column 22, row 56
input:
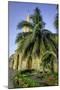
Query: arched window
column 29, row 63
column 17, row 61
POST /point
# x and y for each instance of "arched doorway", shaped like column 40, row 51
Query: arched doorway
column 17, row 61
column 29, row 64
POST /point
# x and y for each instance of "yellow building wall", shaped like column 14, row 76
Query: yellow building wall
column 36, row 64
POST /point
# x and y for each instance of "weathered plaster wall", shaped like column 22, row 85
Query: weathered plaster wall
column 22, row 65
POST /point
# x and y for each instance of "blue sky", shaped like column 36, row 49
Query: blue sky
column 18, row 11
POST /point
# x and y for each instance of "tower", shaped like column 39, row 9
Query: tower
column 27, row 29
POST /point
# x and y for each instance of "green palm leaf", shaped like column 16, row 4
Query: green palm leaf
column 38, row 42
column 21, row 36
column 23, row 24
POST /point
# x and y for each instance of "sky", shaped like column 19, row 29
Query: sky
column 18, row 11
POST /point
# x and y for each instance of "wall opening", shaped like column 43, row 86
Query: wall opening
column 17, row 61
column 29, row 64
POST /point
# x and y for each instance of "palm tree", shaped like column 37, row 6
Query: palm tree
column 34, row 44
column 35, row 19
column 56, row 20
column 37, row 22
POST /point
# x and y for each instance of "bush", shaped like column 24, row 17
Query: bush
column 30, row 82
column 24, row 81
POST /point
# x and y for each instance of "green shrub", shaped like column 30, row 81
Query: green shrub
column 24, row 81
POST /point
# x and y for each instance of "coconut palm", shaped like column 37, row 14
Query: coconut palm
column 56, row 20
column 35, row 19
column 34, row 44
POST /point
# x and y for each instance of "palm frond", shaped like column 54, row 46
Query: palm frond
column 23, row 24
column 21, row 36
column 28, row 50
column 48, row 58
column 56, row 22
column 36, row 48
column 52, row 43
column 20, row 46
column 36, row 18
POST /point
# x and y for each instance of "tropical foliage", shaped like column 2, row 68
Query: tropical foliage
column 56, row 20
column 48, row 59
column 36, row 19
column 35, row 43
column 34, row 80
